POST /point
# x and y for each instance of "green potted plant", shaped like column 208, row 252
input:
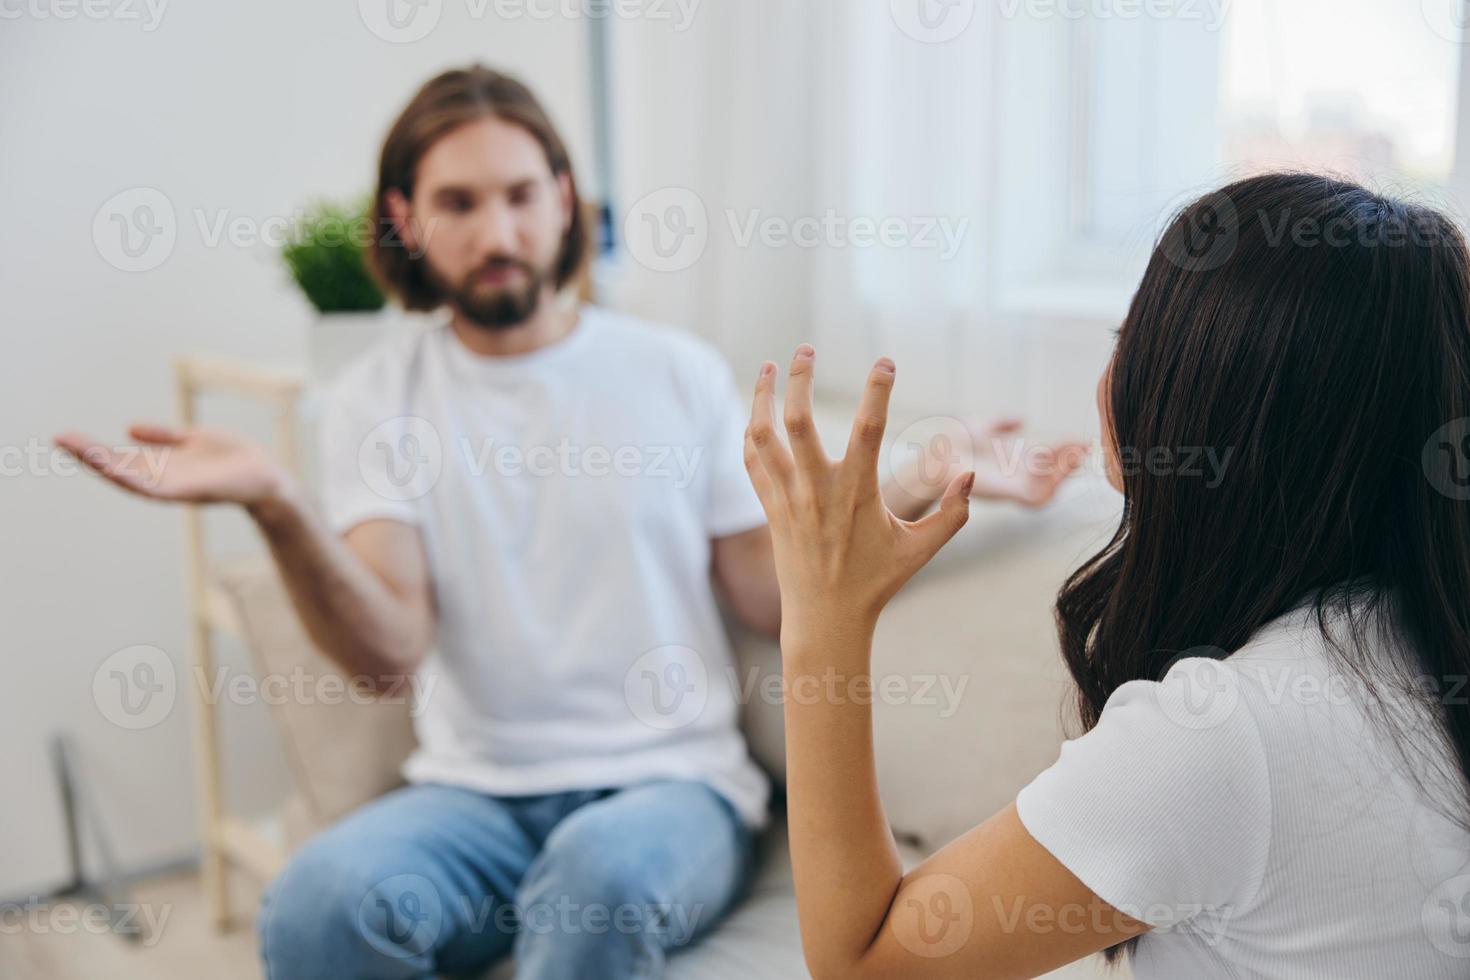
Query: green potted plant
column 326, row 254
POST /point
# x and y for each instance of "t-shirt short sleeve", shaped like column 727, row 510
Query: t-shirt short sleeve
column 1163, row 809
column 372, row 463
column 732, row 505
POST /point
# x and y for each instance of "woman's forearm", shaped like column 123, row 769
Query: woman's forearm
column 843, row 857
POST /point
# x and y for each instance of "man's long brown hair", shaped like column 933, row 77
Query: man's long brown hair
column 445, row 103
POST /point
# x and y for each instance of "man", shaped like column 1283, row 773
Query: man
column 541, row 492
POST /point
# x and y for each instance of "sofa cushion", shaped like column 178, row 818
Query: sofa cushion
column 969, row 690
column 343, row 750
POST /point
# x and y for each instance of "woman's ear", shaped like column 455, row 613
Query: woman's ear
column 400, row 212
column 1108, row 438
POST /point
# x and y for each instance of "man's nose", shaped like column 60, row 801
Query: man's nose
column 495, row 232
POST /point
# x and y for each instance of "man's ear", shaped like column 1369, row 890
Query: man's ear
column 400, row 212
column 568, row 200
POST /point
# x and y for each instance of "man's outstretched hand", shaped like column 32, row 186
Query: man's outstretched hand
column 1006, row 467
column 195, row 465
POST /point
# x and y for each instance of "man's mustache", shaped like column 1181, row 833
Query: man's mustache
column 501, row 263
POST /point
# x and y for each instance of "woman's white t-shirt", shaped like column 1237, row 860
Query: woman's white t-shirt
column 567, row 499
column 1255, row 813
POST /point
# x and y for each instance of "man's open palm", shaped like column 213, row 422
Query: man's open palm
column 196, row 465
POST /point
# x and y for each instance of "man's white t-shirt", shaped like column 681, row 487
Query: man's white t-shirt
column 1259, row 815
column 567, row 500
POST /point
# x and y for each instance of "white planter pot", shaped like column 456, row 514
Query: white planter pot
column 337, row 339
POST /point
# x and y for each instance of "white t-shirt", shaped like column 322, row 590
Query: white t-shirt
column 1256, row 814
column 567, row 499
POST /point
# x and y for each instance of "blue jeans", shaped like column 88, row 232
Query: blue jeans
column 436, row 879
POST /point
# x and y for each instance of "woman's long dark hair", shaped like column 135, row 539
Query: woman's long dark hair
column 1319, row 334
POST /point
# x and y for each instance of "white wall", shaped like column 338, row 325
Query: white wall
column 248, row 110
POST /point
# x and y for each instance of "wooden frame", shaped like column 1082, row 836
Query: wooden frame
column 226, row 840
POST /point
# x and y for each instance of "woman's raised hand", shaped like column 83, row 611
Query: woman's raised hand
column 840, row 553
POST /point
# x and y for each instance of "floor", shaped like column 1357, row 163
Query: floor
column 58, row 942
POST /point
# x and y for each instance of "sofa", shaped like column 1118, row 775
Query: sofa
column 972, row 636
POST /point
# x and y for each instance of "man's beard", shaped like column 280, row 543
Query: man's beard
column 495, row 307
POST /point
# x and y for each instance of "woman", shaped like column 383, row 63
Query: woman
column 1270, row 664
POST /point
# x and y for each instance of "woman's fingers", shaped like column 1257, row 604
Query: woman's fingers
column 757, row 472
column 933, row 531
column 806, row 445
column 774, row 457
column 866, row 441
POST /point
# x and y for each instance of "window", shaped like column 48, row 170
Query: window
column 1360, row 87
column 1159, row 109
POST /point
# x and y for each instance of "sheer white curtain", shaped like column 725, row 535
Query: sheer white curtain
column 906, row 142
column 1019, row 132
column 873, row 183
column 712, row 126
